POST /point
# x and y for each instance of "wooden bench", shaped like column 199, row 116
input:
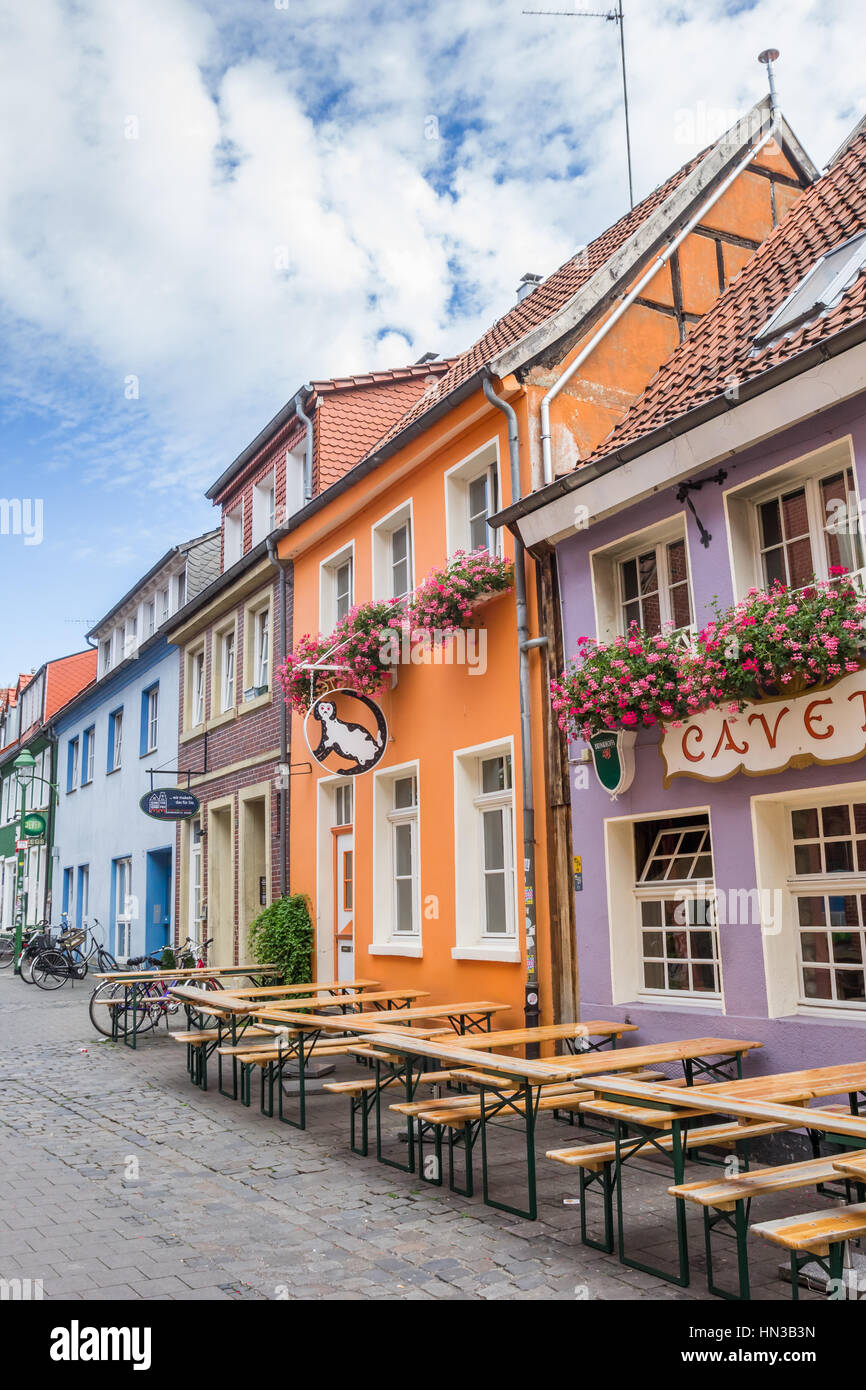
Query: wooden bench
column 816, row 1237
column 596, row 1161
column 725, row 1203
column 362, row 1097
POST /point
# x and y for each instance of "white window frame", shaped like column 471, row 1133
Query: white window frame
column 196, row 880
column 264, row 506
column 826, row 885
column 233, row 535
column 116, row 718
column 123, row 919
column 667, row 889
column 382, row 534
column 197, row 687
column 152, row 715
column 472, row 940
column 149, row 618
column 483, row 462
column 75, row 744
column 329, row 570
column 227, row 648
column 606, row 569
column 295, row 480
column 743, row 522
column 386, row 818
column 257, row 664
column 262, row 646
column 90, row 761
column 849, row 266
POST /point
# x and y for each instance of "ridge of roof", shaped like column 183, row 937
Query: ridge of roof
column 694, row 382
column 562, row 303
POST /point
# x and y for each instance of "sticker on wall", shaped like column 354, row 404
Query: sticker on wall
column 346, row 732
column 613, row 756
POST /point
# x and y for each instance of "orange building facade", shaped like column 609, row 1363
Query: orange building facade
column 425, row 871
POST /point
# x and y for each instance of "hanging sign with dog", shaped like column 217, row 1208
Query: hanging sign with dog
column 346, row 732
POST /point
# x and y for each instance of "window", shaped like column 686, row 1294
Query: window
column 105, row 655
column 83, row 898
column 403, row 819
column 829, row 889
column 227, row 670
column 149, row 719
column 494, row 804
column 180, row 589
column 809, row 527
column 68, row 891
column 400, row 561
column 336, row 588
column 679, row 948
column 343, row 804
column 233, row 537
column 130, row 636
column 392, row 554
column 115, row 740
column 295, row 467
column 149, row 619
column 164, row 605
column 485, row 857
column 471, row 496
column 88, row 754
column 195, row 683
column 654, row 589
column 821, row 287
column 262, row 648
column 264, row 508
column 195, row 882
column 644, row 579
column 72, row 753
column 123, row 906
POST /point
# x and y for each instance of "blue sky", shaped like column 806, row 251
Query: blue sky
column 207, row 204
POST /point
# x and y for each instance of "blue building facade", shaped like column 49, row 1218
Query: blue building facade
column 114, row 866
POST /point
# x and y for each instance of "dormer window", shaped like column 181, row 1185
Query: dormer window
column 264, row 508
column 818, row 290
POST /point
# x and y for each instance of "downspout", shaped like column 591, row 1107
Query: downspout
column 524, row 645
column 284, row 722
column 659, row 261
column 308, row 446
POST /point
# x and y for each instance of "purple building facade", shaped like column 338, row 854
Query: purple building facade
column 784, row 961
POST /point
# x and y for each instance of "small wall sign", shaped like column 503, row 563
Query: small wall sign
column 613, row 757
column 346, row 733
column 34, row 825
column 170, row 803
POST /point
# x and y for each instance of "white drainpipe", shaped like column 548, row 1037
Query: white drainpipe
column 661, row 259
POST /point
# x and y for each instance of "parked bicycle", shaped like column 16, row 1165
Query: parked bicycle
column 154, row 1002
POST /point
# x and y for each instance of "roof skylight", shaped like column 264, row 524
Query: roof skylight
column 818, row 290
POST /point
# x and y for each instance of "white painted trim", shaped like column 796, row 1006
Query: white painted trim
column 393, row 948
column 379, row 531
column 466, row 471
column 327, row 577
column 467, row 858
column 487, row 953
column 791, row 402
column 383, row 895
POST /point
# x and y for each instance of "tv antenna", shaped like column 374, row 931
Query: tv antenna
column 613, row 16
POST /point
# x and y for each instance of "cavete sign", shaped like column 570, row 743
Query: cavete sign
column 827, row 724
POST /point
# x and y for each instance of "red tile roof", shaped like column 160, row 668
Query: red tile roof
column 549, row 297
column 354, row 414
column 721, row 348
column 66, row 678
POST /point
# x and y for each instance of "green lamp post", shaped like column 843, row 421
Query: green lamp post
column 24, row 768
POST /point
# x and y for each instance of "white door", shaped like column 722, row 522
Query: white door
column 344, row 896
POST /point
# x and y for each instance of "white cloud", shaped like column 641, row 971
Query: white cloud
column 283, row 212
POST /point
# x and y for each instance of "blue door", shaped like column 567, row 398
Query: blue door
column 158, row 904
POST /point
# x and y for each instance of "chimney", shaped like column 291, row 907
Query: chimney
column 528, row 283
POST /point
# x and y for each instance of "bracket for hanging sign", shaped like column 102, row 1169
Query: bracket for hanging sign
column 683, row 494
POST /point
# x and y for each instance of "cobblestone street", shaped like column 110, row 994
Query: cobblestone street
column 122, row 1181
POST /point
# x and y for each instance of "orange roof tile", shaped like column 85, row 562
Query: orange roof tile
column 66, row 678
column 721, row 348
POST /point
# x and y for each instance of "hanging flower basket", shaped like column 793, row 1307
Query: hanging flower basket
column 775, row 642
column 448, row 597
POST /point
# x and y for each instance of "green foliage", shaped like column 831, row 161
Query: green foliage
column 282, row 935
column 168, row 960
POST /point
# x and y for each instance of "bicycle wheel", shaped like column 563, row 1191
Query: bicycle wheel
column 50, row 970
column 100, row 1015
column 7, row 952
column 78, row 965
